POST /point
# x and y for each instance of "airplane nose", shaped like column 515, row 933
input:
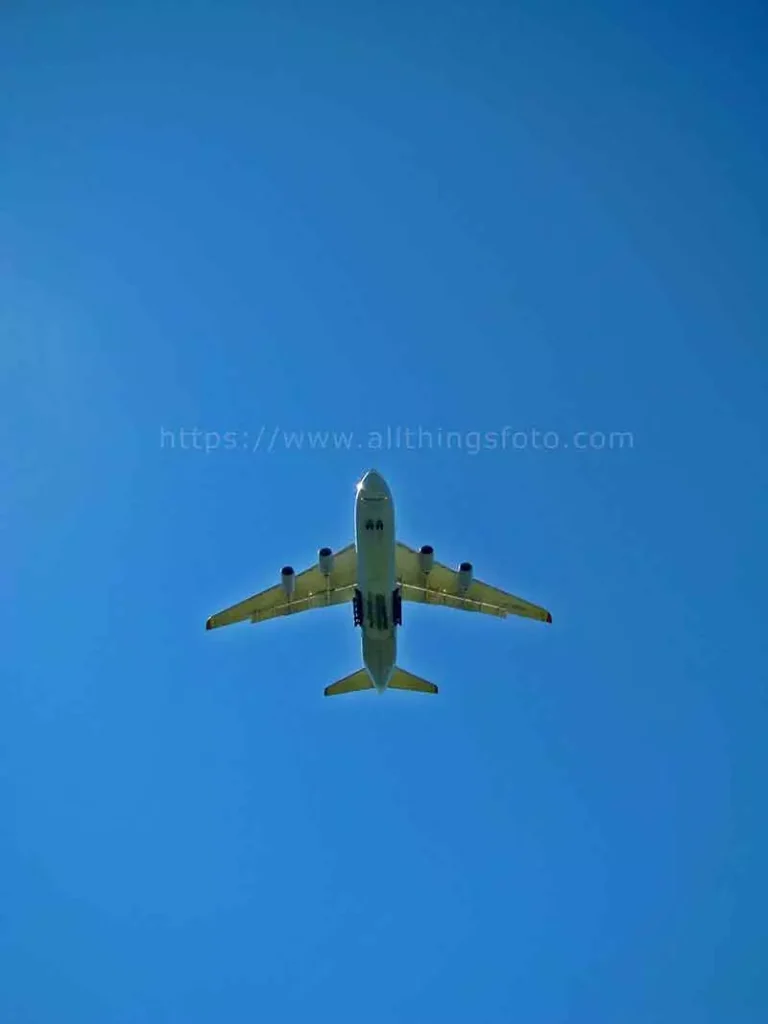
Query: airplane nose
column 373, row 484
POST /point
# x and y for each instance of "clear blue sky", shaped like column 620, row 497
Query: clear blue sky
column 339, row 217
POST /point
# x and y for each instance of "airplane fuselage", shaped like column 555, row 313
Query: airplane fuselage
column 377, row 599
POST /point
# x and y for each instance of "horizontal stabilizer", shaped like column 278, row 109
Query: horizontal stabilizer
column 402, row 680
column 359, row 680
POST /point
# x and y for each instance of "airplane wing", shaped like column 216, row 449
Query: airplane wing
column 312, row 590
column 441, row 586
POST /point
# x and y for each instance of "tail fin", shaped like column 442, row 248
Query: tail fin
column 402, row 680
column 359, row 680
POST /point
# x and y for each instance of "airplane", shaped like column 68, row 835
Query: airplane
column 376, row 573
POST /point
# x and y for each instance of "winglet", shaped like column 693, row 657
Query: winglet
column 549, row 617
column 209, row 623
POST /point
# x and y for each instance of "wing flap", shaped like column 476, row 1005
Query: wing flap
column 322, row 599
column 424, row 595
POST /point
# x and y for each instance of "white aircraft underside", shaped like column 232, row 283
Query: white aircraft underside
column 375, row 575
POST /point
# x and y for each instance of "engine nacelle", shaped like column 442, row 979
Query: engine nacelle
column 288, row 579
column 325, row 561
column 466, row 573
column 426, row 558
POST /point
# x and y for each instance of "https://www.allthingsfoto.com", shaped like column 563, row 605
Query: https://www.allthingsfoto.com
column 270, row 440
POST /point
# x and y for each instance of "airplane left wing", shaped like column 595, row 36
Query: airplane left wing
column 441, row 586
column 312, row 590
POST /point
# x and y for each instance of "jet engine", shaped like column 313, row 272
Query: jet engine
column 426, row 558
column 288, row 579
column 325, row 561
column 465, row 576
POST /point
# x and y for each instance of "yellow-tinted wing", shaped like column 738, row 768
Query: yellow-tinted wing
column 312, row 589
column 441, row 586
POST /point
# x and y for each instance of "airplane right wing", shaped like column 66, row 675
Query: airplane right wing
column 311, row 589
column 441, row 586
